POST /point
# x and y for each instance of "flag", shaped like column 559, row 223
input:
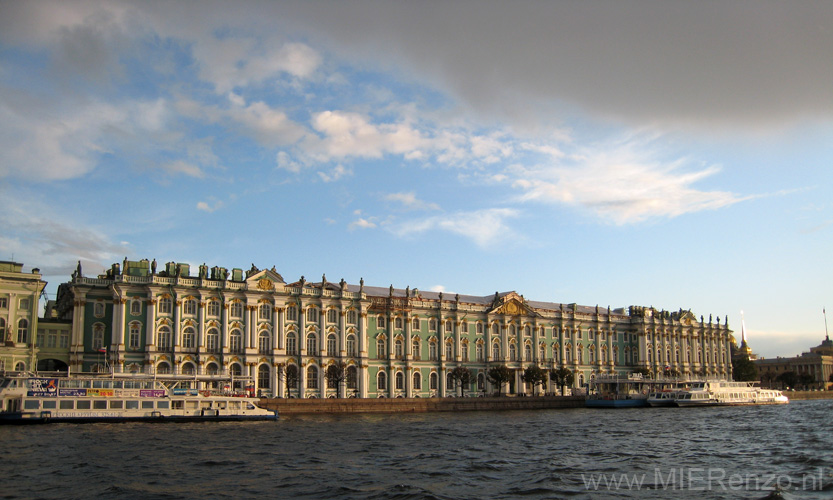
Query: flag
column 103, row 349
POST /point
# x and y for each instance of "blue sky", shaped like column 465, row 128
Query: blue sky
column 666, row 154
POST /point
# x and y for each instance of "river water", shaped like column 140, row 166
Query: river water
column 656, row 453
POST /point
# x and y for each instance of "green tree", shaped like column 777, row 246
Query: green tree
column 499, row 375
column 562, row 377
column 744, row 369
column 463, row 376
column 535, row 376
column 788, row 379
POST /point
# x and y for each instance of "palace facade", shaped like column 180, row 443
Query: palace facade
column 324, row 339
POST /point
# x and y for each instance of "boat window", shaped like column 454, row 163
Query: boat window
column 100, row 405
column 82, row 404
column 234, row 405
column 98, row 384
column 147, row 405
column 31, row 404
column 177, row 405
column 131, row 405
column 118, row 384
column 221, row 405
column 50, row 404
column 163, row 405
column 116, row 405
column 67, row 404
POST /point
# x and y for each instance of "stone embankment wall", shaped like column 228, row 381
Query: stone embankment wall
column 418, row 405
column 808, row 394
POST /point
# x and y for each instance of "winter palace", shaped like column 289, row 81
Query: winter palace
column 289, row 338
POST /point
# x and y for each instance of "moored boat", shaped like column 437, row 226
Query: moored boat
column 728, row 393
column 125, row 397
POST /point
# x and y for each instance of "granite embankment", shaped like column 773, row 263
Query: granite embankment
column 418, row 405
column 809, row 394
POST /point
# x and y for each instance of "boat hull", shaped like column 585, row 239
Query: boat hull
column 27, row 418
column 615, row 403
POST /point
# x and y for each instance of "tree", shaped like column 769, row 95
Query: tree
column 787, row 379
column 336, row 374
column 562, row 377
column 806, row 380
column 463, row 376
column 535, row 376
column 291, row 379
column 499, row 375
column 744, row 369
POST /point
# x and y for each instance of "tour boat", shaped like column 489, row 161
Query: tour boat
column 616, row 392
column 124, row 397
column 726, row 393
column 662, row 398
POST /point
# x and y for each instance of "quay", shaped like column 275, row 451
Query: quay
column 297, row 406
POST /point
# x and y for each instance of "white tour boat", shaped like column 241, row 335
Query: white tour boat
column 124, row 397
column 726, row 393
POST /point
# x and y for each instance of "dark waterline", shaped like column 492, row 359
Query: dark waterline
column 732, row 452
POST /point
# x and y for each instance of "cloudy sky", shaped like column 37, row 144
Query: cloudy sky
column 666, row 154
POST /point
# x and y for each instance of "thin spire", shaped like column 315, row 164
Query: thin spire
column 826, row 335
column 742, row 330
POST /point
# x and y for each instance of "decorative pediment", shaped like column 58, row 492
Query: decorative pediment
column 265, row 280
column 511, row 304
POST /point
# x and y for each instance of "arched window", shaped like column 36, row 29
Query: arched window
column 417, row 381
column 312, row 344
column 312, row 377
column 134, row 335
column 415, row 325
column 479, row 351
column 415, row 348
column 495, row 350
column 592, row 353
column 135, row 307
column 291, row 343
column 432, row 350
column 381, row 351
column 381, row 322
column 449, row 381
column 212, row 340
column 188, row 369
column 568, row 354
column 464, row 351
column 165, row 305
column 398, row 323
column 264, row 311
column 479, row 328
column 399, row 349
column 98, row 336
column 527, row 331
column 352, row 379
column 433, row 381
column 163, row 368
column 449, row 349
column 23, row 331
column 332, row 345
column 212, row 369
column 513, row 352
column 527, row 352
column 580, row 353
column 481, row 382
column 464, row 327
column 189, row 336
column 495, row 329
column 264, row 342
column 400, row 381
column 432, row 324
column 351, row 345
column 264, row 378
column 542, row 352
column 381, row 381
column 235, row 341
column 511, row 330
column 163, row 337
column 449, row 326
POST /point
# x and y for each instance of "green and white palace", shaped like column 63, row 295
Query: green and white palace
column 383, row 341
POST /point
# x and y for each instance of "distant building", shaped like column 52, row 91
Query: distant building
column 19, row 296
column 377, row 341
column 818, row 363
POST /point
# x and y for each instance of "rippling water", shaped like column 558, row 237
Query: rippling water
column 732, row 452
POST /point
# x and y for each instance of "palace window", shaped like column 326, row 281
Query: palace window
column 134, row 336
column 479, row 328
column 417, row 381
column 590, row 334
column 98, row 310
column 479, row 352
column 264, row 380
column 165, row 305
column 291, row 343
column 449, row 381
column 432, row 324
column 542, row 352
column 98, row 336
column 2, row 329
column 163, row 337
column 380, row 349
column 464, row 328
column 464, row 351
column 415, row 349
column 332, row 316
column 432, row 351
column 513, row 352
column 449, row 326
column 496, row 351
column 24, row 304
column 527, row 352
column 352, row 317
column 212, row 340
column 527, row 331
column 433, row 381
column 380, row 322
column 381, row 381
column 264, row 342
column 399, row 349
column 135, row 307
column 481, row 382
column 400, row 381
column 264, row 311
column 312, row 344
column 415, row 326
column 292, row 313
column 4, row 303
column 235, row 341
column 312, row 377
column 236, row 309
column 23, row 330
column 351, row 346
column 213, row 308
column 189, row 307
column 332, row 345
column 189, row 337
column 398, row 323
column 449, row 350
column 352, row 379
column 495, row 329
column 312, row 314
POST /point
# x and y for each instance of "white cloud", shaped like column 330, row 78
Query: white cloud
column 411, row 202
column 484, row 227
column 622, row 183
column 206, row 207
column 184, row 168
column 362, row 223
column 335, row 174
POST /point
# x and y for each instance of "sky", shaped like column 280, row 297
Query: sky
column 653, row 153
